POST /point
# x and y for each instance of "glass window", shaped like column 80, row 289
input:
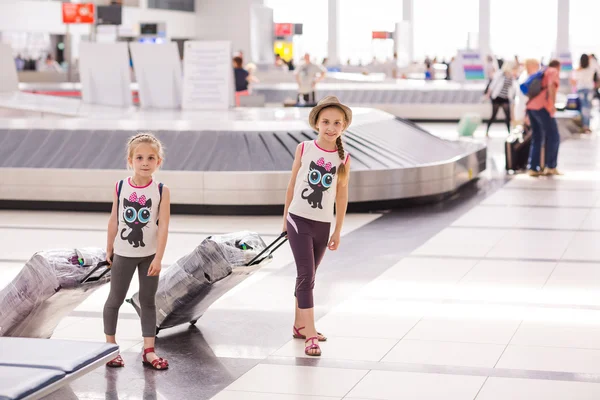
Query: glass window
column 441, row 27
column 28, row 44
column 583, row 17
column 313, row 15
column 523, row 28
column 358, row 19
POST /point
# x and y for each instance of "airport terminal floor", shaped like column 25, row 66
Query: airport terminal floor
column 491, row 294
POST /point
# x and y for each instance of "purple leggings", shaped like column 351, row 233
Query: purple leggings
column 308, row 240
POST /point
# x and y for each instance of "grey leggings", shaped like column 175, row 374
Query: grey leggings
column 121, row 273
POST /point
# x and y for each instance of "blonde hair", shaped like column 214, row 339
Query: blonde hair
column 508, row 66
column 145, row 137
column 532, row 62
column 342, row 171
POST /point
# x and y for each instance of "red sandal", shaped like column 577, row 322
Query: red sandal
column 298, row 335
column 312, row 346
column 116, row 362
column 158, row 364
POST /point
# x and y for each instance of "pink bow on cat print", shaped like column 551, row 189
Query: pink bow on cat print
column 134, row 198
column 321, row 163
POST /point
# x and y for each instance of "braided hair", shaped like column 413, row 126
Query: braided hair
column 145, row 137
column 342, row 170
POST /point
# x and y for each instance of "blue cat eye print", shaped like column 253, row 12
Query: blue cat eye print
column 314, row 176
column 129, row 214
column 144, row 215
column 327, row 180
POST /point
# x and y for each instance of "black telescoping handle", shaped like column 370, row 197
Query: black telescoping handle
column 270, row 249
column 89, row 278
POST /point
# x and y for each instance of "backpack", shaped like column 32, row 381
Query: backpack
column 533, row 85
column 160, row 188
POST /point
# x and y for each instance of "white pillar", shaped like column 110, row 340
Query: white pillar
column 484, row 27
column 261, row 34
column 562, row 29
column 333, row 41
column 408, row 19
column 216, row 21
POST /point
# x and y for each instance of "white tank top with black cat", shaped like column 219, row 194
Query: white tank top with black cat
column 137, row 215
column 316, row 183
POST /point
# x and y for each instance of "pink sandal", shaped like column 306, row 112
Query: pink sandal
column 298, row 335
column 116, row 362
column 158, row 364
column 312, row 346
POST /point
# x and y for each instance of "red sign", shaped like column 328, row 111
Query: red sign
column 381, row 35
column 78, row 13
column 284, row 29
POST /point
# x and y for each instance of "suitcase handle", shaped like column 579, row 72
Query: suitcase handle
column 89, row 278
column 270, row 249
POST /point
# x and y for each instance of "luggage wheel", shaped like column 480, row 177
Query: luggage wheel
column 193, row 322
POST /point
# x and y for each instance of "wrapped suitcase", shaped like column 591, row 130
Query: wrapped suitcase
column 187, row 288
column 51, row 285
column 517, row 147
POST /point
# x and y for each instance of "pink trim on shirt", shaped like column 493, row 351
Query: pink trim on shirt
column 347, row 157
column 328, row 151
column 117, row 188
column 302, row 153
column 138, row 187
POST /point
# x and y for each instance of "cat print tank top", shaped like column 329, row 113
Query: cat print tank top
column 137, row 215
column 316, row 183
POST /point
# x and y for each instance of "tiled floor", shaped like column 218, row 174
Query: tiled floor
column 502, row 304
column 495, row 299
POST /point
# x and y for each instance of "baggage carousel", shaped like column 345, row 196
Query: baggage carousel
column 417, row 100
column 237, row 161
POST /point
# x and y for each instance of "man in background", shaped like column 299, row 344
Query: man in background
column 307, row 76
column 541, row 111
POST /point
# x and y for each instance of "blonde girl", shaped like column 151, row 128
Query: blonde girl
column 137, row 236
column 319, row 181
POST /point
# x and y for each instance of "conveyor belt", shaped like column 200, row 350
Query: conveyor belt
column 238, row 158
column 376, row 145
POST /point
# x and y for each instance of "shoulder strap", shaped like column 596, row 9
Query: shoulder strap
column 160, row 190
column 119, row 187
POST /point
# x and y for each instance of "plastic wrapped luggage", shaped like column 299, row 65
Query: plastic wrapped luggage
column 517, row 148
column 50, row 285
column 468, row 124
column 187, row 288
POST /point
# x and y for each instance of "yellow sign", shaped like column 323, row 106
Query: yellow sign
column 284, row 49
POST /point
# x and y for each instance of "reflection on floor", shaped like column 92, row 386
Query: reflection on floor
column 490, row 295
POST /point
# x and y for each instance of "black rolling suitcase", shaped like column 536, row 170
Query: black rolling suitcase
column 517, row 150
column 190, row 286
column 51, row 284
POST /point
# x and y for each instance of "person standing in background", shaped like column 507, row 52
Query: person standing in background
column 541, row 110
column 531, row 66
column 307, row 76
column 583, row 79
column 596, row 66
column 242, row 78
column 502, row 92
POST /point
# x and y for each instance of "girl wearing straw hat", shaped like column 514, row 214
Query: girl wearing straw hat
column 319, row 181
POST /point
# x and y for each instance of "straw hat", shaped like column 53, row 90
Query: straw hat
column 326, row 102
